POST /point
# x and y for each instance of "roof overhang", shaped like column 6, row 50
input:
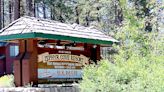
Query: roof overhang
column 53, row 37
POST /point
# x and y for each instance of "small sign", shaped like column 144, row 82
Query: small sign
column 59, row 73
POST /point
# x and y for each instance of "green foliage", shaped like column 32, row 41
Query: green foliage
column 138, row 66
column 129, row 77
column 135, row 74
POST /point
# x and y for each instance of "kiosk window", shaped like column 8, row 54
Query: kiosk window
column 14, row 51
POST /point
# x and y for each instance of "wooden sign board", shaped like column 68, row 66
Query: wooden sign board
column 52, row 67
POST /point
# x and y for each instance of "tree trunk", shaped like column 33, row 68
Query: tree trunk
column 87, row 18
column 77, row 15
column 52, row 15
column 118, row 13
column 44, row 10
column 29, row 8
column 3, row 22
column 16, row 9
column 10, row 11
column 37, row 10
column 34, row 12
column 0, row 16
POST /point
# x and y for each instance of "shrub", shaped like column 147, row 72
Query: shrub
column 7, row 81
column 135, row 75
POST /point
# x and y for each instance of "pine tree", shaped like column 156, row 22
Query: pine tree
column 60, row 10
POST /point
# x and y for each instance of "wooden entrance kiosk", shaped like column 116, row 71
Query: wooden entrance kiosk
column 51, row 51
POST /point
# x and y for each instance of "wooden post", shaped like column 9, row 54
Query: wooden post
column 98, row 52
column 17, row 64
column 25, row 65
column 29, row 64
column 95, row 53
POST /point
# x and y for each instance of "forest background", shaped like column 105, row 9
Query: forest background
column 137, row 62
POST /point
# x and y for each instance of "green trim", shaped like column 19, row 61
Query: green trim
column 17, row 36
column 51, row 36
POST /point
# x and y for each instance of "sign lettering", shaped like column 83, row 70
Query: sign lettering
column 60, row 66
